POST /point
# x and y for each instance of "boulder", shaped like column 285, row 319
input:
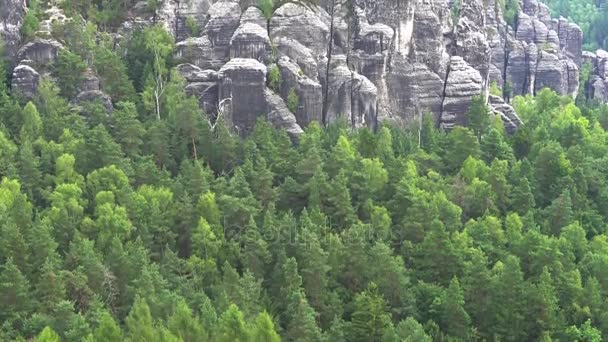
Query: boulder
column 91, row 82
column 551, row 72
column 571, row 40
column 470, row 38
column 54, row 15
column 413, row 89
column 462, row 83
column 201, row 52
column 429, row 27
column 242, row 88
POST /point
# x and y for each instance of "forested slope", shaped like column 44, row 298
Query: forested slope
column 127, row 226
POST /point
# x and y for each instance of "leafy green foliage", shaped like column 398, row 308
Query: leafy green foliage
column 293, row 101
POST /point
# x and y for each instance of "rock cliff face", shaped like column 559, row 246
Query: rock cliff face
column 378, row 59
column 390, row 60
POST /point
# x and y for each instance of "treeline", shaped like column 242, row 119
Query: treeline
column 590, row 15
column 155, row 223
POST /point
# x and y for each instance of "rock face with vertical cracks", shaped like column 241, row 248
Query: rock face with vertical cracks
column 391, row 60
column 242, row 89
column 462, row 83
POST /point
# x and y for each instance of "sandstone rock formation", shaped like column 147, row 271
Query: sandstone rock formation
column 390, row 60
column 25, row 80
column 11, row 18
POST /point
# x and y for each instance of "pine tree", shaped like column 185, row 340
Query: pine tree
column 47, row 335
column 231, row 326
column 264, row 330
column 186, row 326
column 455, row 321
column 139, row 323
column 15, row 297
column 108, row 330
column 370, row 318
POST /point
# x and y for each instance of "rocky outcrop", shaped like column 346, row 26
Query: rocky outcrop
column 42, row 52
column 250, row 41
column 462, row 83
column 308, row 91
column 12, row 13
column 390, row 60
column 279, row 115
column 202, row 84
column 302, row 24
column 352, row 96
column 509, row 118
column 242, row 87
column 25, row 80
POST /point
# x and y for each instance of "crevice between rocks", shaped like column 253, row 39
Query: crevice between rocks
column 443, row 95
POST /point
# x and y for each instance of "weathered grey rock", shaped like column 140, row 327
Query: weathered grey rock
column 90, row 83
column 42, row 52
column 599, row 89
column 279, row 115
column 309, row 91
column 253, row 15
column 300, row 54
column 242, row 89
column 224, row 19
column 399, row 16
column 521, row 66
column 202, row 84
column 193, row 10
column 12, row 13
column 250, row 41
column 309, row 28
column 54, row 15
column 602, row 63
column 372, row 39
column 463, row 82
column 413, row 90
column 551, row 72
column 591, row 58
column 571, row 40
column 201, row 52
column 470, row 38
column 351, row 96
column 509, row 118
column 25, row 80
column 212, row 49
column 431, row 21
